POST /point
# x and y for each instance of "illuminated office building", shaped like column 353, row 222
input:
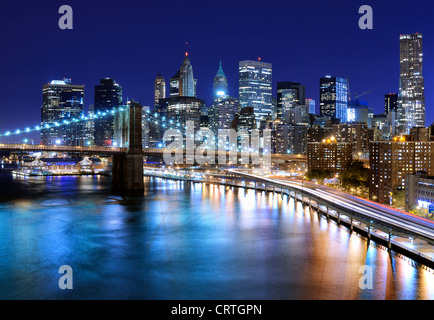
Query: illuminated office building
column 222, row 113
column 61, row 103
column 159, row 89
column 255, row 88
column 334, row 98
column 289, row 95
column 183, row 109
column 108, row 96
column 245, row 120
column 411, row 105
column 174, row 85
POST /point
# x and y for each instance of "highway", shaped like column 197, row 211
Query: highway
column 389, row 216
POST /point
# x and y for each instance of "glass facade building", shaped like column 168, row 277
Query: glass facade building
column 289, row 94
column 255, row 87
column 411, row 106
column 183, row 109
column 187, row 83
column 108, row 96
column 61, row 103
column 246, row 120
column 222, row 113
column 334, row 97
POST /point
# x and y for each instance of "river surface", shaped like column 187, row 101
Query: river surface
column 183, row 241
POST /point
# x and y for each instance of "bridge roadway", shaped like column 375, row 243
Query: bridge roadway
column 93, row 149
column 40, row 147
column 384, row 218
column 114, row 150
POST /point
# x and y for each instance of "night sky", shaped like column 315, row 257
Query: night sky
column 133, row 40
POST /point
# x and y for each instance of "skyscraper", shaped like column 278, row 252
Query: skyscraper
column 245, row 120
column 289, row 94
column 183, row 109
column 183, row 84
column 224, row 108
column 220, row 84
column 291, row 139
column 61, row 103
column 187, row 83
column 174, row 85
column 299, row 115
column 159, row 89
column 411, row 106
column 108, row 95
column 153, row 129
column 145, row 126
column 390, row 102
column 255, row 87
column 334, row 97
column 222, row 113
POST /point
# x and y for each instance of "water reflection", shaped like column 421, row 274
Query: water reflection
column 184, row 241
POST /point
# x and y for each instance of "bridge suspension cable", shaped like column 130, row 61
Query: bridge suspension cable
column 155, row 117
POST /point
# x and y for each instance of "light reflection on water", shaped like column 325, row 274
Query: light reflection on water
column 184, row 241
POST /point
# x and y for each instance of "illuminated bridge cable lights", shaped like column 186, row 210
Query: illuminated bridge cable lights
column 165, row 123
column 64, row 122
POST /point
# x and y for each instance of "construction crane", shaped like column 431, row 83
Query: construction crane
column 364, row 93
column 356, row 96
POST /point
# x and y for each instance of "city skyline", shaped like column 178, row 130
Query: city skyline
column 238, row 150
column 135, row 72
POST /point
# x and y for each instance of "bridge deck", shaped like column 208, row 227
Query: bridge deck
column 112, row 150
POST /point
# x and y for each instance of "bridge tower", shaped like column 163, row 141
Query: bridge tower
column 127, row 168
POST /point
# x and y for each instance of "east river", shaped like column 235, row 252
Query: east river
column 183, row 241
